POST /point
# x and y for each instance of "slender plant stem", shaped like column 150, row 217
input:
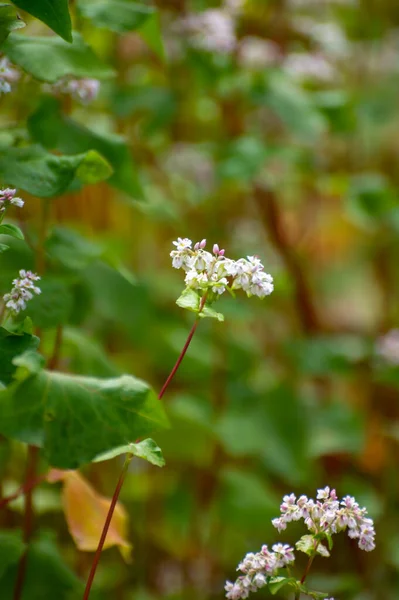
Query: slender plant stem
column 33, row 451
column 129, row 458
column 55, row 357
column 106, row 526
column 307, row 569
column 184, row 350
column 28, row 518
column 23, row 489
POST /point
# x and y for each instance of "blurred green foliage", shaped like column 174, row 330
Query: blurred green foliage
column 276, row 137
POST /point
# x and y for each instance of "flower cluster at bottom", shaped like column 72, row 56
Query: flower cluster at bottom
column 23, row 290
column 256, row 567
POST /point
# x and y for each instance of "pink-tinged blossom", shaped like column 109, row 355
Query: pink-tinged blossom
column 256, row 53
column 83, row 90
column 7, row 198
column 8, row 75
column 388, row 347
column 23, row 290
column 216, row 272
column 256, row 568
column 327, row 514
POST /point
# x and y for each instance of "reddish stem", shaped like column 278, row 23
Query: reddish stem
column 121, row 479
column 23, row 489
column 106, row 526
column 28, row 518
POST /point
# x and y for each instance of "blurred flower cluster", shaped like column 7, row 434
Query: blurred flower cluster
column 23, row 290
column 8, row 75
column 82, row 90
column 213, row 272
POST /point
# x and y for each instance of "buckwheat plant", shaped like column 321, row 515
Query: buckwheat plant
column 323, row 517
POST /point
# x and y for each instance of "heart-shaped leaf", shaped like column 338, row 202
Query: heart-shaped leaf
column 9, row 21
column 12, row 230
column 76, row 418
column 147, row 449
column 12, row 345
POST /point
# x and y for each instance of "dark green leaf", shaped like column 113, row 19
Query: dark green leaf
column 11, row 345
column 76, row 59
column 9, row 21
column 53, row 13
column 55, row 131
column 120, row 16
column 77, row 418
column 11, row 549
column 150, row 31
column 147, row 449
column 46, row 175
column 47, row 575
column 53, row 306
column 71, row 250
column 12, row 230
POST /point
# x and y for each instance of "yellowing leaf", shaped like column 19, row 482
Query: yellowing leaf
column 86, row 511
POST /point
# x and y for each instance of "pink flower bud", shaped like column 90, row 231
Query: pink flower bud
column 197, row 246
column 221, row 252
column 215, row 249
column 202, row 244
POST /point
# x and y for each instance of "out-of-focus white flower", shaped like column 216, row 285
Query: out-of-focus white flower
column 302, row 66
column 23, row 290
column 212, row 30
column 8, row 75
column 7, row 197
column 83, row 90
column 256, row 53
column 212, row 271
column 388, row 347
column 256, row 568
column 191, row 163
column 330, row 37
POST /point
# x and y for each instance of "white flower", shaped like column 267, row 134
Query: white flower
column 302, row 65
column 8, row 75
column 388, row 347
column 256, row 53
column 211, row 30
column 83, row 90
column 7, row 197
column 23, row 290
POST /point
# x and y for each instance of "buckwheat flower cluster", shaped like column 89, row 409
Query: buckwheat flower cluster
column 212, row 30
column 256, row 568
column 327, row 514
column 388, row 347
column 23, row 290
column 8, row 75
column 7, row 198
column 257, row 53
column 83, row 90
column 214, row 273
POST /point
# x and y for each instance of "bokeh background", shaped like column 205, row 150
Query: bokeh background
column 270, row 127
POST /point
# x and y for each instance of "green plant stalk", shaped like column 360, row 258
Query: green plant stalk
column 122, row 476
column 307, row 569
column 33, row 451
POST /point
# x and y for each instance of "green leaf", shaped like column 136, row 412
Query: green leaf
column 11, row 549
column 76, row 418
column 46, row 175
column 71, row 250
column 76, row 59
column 3, row 248
column 55, row 131
column 120, row 16
column 11, row 345
column 147, row 449
column 12, row 230
column 190, row 300
column 47, row 575
column 53, row 306
column 53, row 13
column 85, row 354
column 9, row 21
column 275, row 584
column 306, row 544
column 151, row 33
